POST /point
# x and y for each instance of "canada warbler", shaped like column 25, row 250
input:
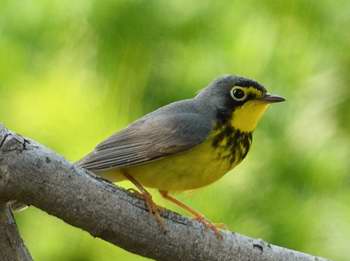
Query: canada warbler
column 187, row 144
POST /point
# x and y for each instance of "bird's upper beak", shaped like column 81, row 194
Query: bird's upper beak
column 270, row 98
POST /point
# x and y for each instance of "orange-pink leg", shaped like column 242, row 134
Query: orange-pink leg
column 152, row 207
column 198, row 216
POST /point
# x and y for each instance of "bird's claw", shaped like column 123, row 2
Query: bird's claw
column 208, row 225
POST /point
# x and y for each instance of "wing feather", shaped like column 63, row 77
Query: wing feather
column 148, row 139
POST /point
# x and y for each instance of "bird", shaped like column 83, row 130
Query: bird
column 185, row 145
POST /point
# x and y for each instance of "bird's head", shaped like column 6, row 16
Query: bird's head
column 239, row 101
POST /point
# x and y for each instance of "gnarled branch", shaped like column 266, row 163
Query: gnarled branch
column 11, row 244
column 35, row 175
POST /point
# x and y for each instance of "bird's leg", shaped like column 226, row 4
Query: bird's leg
column 135, row 192
column 197, row 216
column 147, row 197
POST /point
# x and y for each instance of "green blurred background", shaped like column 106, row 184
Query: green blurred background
column 73, row 72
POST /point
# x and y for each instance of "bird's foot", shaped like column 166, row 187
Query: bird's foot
column 152, row 207
column 135, row 192
column 197, row 216
column 221, row 226
column 209, row 225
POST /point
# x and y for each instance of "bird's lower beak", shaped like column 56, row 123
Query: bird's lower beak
column 269, row 98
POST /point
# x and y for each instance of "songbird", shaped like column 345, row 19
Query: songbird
column 187, row 144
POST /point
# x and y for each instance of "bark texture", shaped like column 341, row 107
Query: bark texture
column 12, row 247
column 35, row 175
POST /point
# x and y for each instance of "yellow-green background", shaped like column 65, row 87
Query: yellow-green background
column 72, row 72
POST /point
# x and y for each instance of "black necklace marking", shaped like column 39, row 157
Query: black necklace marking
column 231, row 144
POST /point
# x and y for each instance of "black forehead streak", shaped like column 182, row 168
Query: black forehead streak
column 231, row 80
column 243, row 82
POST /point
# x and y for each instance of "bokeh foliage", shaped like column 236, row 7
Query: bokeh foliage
column 72, row 72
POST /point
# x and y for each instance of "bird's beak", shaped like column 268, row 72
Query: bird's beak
column 269, row 98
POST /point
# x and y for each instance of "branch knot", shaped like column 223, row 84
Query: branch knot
column 11, row 141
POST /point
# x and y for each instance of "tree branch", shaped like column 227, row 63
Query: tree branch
column 11, row 244
column 35, row 175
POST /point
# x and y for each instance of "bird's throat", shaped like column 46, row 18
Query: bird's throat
column 246, row 117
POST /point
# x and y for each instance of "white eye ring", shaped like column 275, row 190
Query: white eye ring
column 238, row 94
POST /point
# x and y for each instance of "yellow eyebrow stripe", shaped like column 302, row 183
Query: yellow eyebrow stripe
column 255, row 91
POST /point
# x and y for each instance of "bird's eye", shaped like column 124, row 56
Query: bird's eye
column 238, row 94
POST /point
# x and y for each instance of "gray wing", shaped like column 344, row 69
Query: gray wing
column 147, row 140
